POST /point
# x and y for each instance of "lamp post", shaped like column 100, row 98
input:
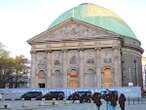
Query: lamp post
column 135, row 73
column 122, row 73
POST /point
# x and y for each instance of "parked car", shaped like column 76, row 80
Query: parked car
column 57, row 95
column 83, row 96
column 31, row 94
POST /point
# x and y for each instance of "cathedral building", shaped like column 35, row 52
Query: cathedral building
column 86, row 46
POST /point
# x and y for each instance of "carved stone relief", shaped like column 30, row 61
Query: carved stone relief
column 90, row 61
column 57, row 62
column 41, row 61
column 74, row 30
column 73, row 60
column 73, row 57
column 90, row 57
column 70, row 31
column 57, row 58
column 107, row 60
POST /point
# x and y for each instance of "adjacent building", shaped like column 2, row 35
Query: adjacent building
column 86, row 46
column 144, row 72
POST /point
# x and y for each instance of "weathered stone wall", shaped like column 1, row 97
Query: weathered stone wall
column 131, row 66
column 88, row 50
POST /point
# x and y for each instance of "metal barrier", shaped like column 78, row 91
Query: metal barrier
column 133, row 101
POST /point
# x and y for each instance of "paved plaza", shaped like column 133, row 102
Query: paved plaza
column 42, row 105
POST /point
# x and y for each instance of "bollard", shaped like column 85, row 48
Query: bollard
column 22, row 104
column 5, row 106
column 138, row 100
column 107, row 105
column 128, row 101
column 42, row 102
column 133, row 101
column 53, row 103
column 141, row 100
column 64, row 101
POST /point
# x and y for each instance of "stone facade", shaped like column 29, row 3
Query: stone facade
column 76, row 54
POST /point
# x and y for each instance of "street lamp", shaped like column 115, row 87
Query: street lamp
column 135, row 73
column 122, row 73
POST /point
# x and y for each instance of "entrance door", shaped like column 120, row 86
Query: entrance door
column 73, row 79
column 107, row 80
column 41, row 85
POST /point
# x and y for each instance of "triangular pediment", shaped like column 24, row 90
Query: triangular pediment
column 72, row 29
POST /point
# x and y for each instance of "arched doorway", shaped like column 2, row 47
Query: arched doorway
column 58, row 79
column 107, row 77
column 73, row 80
column 90, row 78
column 41, row 79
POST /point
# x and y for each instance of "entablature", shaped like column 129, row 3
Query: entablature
column 110, row 43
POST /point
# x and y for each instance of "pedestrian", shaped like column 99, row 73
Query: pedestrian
column 76, row 97
column 97, row 100
column 122, row 100
column 106, row 97
column 113, row 101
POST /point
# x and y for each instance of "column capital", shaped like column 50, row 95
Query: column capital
column 49, row 51
column 98, row 48
column 116, row 47
column 33, row 52
column 64, row 50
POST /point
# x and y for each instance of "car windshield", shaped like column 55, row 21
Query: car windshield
column 84, row 92
column 54, row 93
column 32, row 94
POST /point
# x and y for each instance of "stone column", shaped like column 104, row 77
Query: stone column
column 33, row 70
column 65, row 67
column 49, row 63
column 117, row 75
column 98, row 67
column 81, row 67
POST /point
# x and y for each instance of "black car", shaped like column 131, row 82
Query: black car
column 81, row 93
column 57, row 95
column 83, row 96
column 31, row 94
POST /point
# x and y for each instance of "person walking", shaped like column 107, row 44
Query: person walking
column 122, row 100
column 113, row 101
column 106, row 97
column 97, row 100
column 75, row 97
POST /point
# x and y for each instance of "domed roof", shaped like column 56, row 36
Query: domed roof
column 97, row 16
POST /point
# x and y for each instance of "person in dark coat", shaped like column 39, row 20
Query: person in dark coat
column 113, row 100
column 106, row 97
column 75, row 97
column 122, row 100
column 97, row 99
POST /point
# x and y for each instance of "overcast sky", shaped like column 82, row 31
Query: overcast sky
column 20, row 20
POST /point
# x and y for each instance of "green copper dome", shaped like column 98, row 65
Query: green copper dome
column 97, row 16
